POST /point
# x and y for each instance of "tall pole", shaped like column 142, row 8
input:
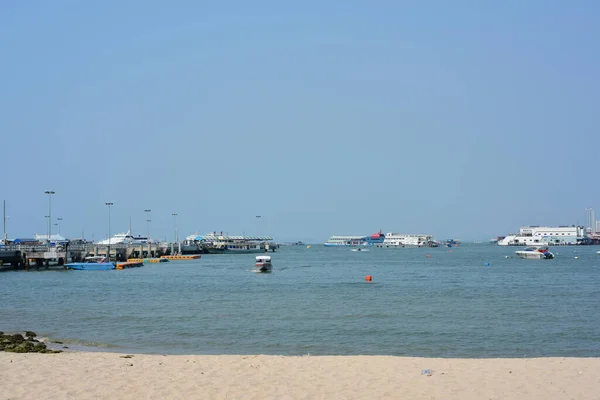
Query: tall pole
column 4, row 222
column 59, row 219
column 148, row 234
column 148, row 222
column 174, row 227
column 47, row 231
column 258, row 217
column 175, row 232
column 108, row 251
column 49, row 193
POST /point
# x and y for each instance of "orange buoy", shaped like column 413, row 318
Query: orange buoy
column 368, row 278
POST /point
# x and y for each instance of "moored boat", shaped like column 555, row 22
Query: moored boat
column 355, row 240
column 96, row 263
column 407, row 240
column 535, row 253
column 263, row 264
column 219, row 244
column 546, row 236
column 125, row 238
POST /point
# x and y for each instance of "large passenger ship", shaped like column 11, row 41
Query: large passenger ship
column 546, row 236
column 371, row 240
column 407, row 240
column 218, row 244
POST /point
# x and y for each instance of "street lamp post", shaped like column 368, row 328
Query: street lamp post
column 175, row 226
column 108, row 250
column 59, row 219
column 49, row 193
column 175, row 232
column 4, row 215
column 148, row 222
column 47, row 226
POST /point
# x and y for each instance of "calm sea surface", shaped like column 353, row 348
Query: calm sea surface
column 316, row 301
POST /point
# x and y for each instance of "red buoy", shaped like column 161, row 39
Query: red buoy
column 368, row 278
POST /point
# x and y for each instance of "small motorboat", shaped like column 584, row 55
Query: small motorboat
column 535, row 253
column 263, row 264
column 96, row 263
column 359, row 249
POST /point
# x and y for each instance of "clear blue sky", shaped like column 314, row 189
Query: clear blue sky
column 460, row 119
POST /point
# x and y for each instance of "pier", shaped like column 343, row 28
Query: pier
column 27, row 256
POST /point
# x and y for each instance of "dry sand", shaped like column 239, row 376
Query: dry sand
column 74, row 375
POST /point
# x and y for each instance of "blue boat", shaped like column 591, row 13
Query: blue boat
column 92, row 264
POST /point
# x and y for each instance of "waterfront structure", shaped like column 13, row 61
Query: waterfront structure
column 546, row 235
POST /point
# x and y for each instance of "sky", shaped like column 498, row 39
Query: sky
column 459, row 119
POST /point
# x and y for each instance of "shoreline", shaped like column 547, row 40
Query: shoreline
column 75, row 374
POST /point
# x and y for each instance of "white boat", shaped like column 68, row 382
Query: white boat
column 125, row 238
column 219, row 244
column 359, row 249
column 263, row 264
column 355, row 240
column 536, row 253
column 407, row 240
column 546, row 236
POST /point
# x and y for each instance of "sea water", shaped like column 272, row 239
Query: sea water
column 474, row 300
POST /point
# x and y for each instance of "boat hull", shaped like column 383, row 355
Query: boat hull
column 90, row 266
column 263, row 267
column 214, row 250
column 534, row 255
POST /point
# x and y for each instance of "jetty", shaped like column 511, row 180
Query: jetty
column 18, row 256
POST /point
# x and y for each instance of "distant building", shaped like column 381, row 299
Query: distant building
column 591, row 225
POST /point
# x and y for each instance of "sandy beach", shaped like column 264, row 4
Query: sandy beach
column 81, row 375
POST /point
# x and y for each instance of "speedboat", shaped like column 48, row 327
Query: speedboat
column 96, row 263
column 359, row 249
column 536, row 253
column 263, row 264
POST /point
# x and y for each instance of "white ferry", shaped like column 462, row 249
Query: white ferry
column 125, row 238
column 376, row 238
column 546, row 236
column 407, row 240
column 219, row 243
column 345, row 241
